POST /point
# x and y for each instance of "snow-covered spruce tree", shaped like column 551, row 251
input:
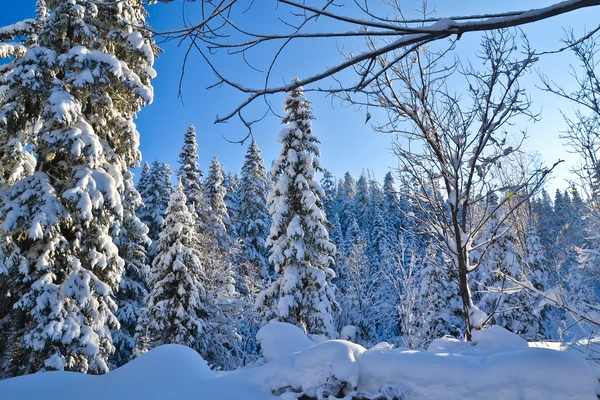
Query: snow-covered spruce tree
column 536, row 266
column 362, row 205
column 391, row 206
column 132, row 241
column 189, row 172
column 214, row 193
column 15, row 40
column 328, row 185
column 500, row 264
column 345, row 199
column 385, row 254
column 177, row 308
column 364, row 302
column 298, row 242
column 231, row 183
column 254, row 219
column 185, row 302
column 16, row 162
column 71, row 100
column 439, row 308
column 155, row 188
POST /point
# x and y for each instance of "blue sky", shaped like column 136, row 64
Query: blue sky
column 347, row 144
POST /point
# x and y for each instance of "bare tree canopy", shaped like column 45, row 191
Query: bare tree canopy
column 220, row 30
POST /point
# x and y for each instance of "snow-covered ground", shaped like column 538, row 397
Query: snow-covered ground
column 496, row 365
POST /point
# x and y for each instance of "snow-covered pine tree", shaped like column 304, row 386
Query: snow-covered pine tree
column 391, row 206
column 358, row 302
column 132, row 241
column 507, row 304
column 187, row 303
column 298, row 242
column 547, row 325
column 15, row 40
column 384, row 253
column 214, row 193
column 231, row 183
column 155, row 188
column 345, row 199
column 362, row 205
column 16, row 162
column 439, row 310
column 189, row 172
column 543, row 212
column 177, row 309
column 71, row 100
column 328, row 185
column 254, row 218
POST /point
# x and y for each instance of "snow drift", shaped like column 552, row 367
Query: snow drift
column 496, row 365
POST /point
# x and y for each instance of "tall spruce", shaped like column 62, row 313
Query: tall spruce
column 345, row 193
column 189, row 172
column 132, row 241
column 71, row 100
column 190, row 293
column 177, row 308
column 500, row 265
column 231, row 183
column 215, row 192
column 254, row 220
column 155, row 188
column 299, row 244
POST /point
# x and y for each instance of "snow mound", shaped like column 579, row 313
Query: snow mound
column 497, row 365
column 167, row 372
column 306, row 371
column 526, row 374
column 448, row 345
column 496, row 339
column 278, row 340
column 170, row 362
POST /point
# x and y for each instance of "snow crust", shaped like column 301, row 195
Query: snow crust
column 497, row 365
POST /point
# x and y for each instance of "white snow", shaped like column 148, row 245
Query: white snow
column 274, row 348
column 497, row 365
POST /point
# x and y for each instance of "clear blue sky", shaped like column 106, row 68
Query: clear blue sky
column 347, row 143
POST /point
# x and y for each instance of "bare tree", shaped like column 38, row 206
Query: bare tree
column 221, row 30
column 453, row 146
column 583, row 137
column 583, row 128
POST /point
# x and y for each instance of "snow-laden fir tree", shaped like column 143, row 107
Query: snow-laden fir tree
column 132, row 241
column 439, row 308
column 155, row 188
column 362, row 302
column 15, row 160
column 536, row 266
column 186, row 300
column 362, row 205
column 15, row 163
column 254, row 220
column 506, row 302
column 345, row 199
column 189, row 172
column 214, row 193
column 231, row 183
column 385, row 254
column 298, row 242
column 391, row 206
column 329, row 201
column 71, row 101
column 177, row 308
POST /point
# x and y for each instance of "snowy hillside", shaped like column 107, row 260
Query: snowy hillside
column 496, row 365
